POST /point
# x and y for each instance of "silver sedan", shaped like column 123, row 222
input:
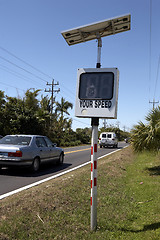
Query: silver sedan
column 28, row 150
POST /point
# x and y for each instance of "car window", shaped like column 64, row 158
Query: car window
column 15, row 140
column 103, row 135
column 49, row 142
column 40, row 142
column 109, row 135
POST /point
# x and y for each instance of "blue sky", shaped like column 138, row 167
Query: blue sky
column 31, row 30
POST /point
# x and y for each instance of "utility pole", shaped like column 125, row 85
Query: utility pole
column 153, row 103
column 51, row 90
column 104, row 123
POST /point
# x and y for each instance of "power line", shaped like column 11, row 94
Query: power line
column 68, row 96
column 11, row 86
column 76, row 120
column 150, row 58
column 81, row 122
column 157, row 76
column 22, row 68
column 150, row 45
column 19, row 75
column 66, row 90
column 20, row 59
column 38, row 70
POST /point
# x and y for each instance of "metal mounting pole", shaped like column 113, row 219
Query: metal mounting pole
column 94, row 147
column 99, row 51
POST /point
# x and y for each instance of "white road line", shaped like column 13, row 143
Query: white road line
column 50, row 178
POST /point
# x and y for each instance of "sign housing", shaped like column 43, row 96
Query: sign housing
column 97, row 93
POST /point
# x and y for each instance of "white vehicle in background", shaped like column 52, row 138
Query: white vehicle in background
column 108, row 139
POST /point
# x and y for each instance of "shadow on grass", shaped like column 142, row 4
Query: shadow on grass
column 148, row 227
column 154, row 170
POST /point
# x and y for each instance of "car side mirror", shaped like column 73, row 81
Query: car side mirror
column 54, row 144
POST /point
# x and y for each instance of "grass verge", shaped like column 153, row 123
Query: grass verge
column 128, row 203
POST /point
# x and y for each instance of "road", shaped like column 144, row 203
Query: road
column 11, row 179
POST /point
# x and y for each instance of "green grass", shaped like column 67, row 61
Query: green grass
column 128, row 203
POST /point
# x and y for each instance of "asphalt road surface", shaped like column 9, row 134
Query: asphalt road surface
column 11, row 179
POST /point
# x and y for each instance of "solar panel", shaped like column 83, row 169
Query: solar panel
column 103, row 28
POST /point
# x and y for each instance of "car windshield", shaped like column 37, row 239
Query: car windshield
column 103, row 135
column 109, row 135
column 15, row 140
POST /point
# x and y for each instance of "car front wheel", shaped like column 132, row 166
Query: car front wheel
column 61, row 159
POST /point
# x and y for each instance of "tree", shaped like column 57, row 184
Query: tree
column 121, row 135
column 31, row 115
column 19, row 118
column 44, row 116
column 31, row 100
column 84, row 135
column 62, row 108
column 147, row 136
column 24, row 115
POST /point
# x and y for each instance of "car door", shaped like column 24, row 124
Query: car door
column 54, row 153
column 104, row 138
column 109, row 138
column 44, row 151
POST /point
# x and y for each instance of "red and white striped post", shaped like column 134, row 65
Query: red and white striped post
column 94, row 146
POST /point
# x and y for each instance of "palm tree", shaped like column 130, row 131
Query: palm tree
column 147, row 136
column 31, row 100
column 62, row 108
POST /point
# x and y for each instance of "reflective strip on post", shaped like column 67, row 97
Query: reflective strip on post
column 94, row 177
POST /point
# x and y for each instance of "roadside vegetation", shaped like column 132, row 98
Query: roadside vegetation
column 146, row 136
column 121, row 135
column 29, row 115
column 33, row 115
column 128, row 203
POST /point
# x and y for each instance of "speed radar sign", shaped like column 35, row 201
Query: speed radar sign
column 97, row 92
